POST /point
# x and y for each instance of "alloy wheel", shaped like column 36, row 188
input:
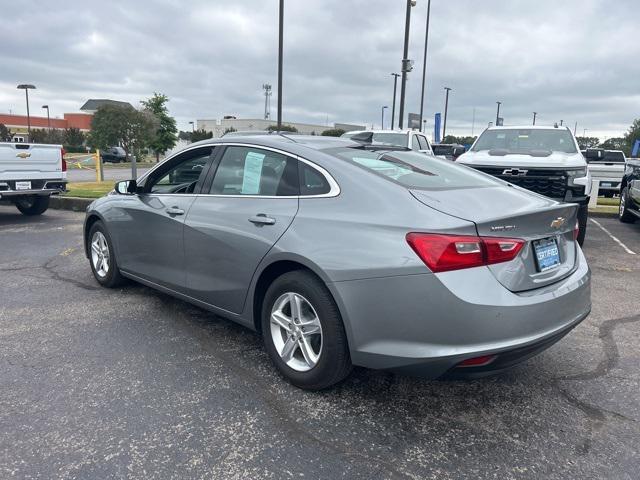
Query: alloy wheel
column 296, row 331
column 100, row 254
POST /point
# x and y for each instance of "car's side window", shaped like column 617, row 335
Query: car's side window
column 181, row 177
column 254, row 171
column 312, row 182
column 424, row 143
column 414, row 143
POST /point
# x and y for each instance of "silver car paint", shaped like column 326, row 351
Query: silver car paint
column 396, row 312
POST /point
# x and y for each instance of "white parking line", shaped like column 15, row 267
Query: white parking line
column 614, row 238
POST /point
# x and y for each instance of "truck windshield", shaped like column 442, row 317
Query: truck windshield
column 526, row 141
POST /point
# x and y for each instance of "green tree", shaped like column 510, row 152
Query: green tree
column 588, row 142
column 632, row 135
column 201, row 134
column 184, row 135
column 38, row 135
column 74, row 137
column 5, row 133
column 229, row 130
column 122, row 125
column 283, row 128
column 164, row 137
column 449, row 139
column 333, row 132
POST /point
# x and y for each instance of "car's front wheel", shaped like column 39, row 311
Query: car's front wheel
column 32, row 205
column 102, row 257
column 623, row 213
column 303, row 331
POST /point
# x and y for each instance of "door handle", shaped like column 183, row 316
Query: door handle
column 262, row 219
column 175, row 211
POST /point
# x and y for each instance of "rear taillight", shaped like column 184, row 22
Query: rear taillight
column 576, row 231
column 443, row 253
column 477, row 361
column 64, row 162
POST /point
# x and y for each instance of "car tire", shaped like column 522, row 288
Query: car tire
column 100, row 247
column 624, row 214
column 33, row 205
column 583, row 214
column 312, row 352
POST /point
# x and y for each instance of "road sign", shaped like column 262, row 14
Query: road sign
column 436, row 128
column 414, row 121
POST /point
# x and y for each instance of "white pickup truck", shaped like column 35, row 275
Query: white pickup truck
column 30, row 174
column 607, row 166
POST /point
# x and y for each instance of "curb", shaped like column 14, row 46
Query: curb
column 603, row 214
column 74, row 204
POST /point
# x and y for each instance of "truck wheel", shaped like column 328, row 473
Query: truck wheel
column 583, row 213
column 624, row 214
column 32, row 205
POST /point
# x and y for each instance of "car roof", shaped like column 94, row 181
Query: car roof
column 528, row 127
column 382, row 131
column 315, row 142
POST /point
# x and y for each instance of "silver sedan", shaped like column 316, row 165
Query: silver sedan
column 344, row 254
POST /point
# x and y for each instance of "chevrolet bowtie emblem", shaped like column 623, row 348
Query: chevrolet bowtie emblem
column 23, row 155
column 558, row 222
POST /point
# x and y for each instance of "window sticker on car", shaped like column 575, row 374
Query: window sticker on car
column 252, row 172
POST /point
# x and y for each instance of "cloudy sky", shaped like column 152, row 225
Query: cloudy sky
column 575, row 60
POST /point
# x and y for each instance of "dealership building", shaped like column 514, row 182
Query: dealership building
column 18, row 124
column 219, row 127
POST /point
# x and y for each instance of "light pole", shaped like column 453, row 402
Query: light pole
column 48, row 119
column 193, row 128
column 406, row 63
column 446, row 108
column 498, row 113
column 280, row 42
column 535, row 114
column 424, row 126
column 424, row 60
column 393, row 108
column 382, row 119
column 26, row 87
column 584, row 132
column 561, row 122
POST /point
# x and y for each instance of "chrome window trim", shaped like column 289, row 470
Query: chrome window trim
column 334, row 188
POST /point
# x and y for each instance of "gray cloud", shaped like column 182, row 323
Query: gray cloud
column 571, row 60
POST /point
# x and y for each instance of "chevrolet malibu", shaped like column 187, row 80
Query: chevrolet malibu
column 342, row 254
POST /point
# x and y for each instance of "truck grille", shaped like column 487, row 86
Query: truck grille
column 550, row 183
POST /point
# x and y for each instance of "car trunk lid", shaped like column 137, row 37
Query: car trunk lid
column 511, row 212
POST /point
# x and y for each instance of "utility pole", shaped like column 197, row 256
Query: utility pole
column 393, row 108
column 26, row 87
column 382, row 119
column 575, row 128
column 267, row 100
column 561, row 122
column 406, row 63
column 534, row 117
column 473, row 121
column 280, row 42
column 498, row 113
column 48, row 118
column 424, row 60
column 446, row 107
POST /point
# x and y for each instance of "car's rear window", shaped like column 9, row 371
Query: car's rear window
column 610, row 156
column 416, row 170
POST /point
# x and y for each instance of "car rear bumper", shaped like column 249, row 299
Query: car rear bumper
column 427, row 324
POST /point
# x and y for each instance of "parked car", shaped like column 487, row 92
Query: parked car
column 347, row 254
column 545, row 160
column 253, row 133
column 450, row 151
column 630, row 192
column 113, row 155
column 30, row 174
column 607, row 166
column 411, row 139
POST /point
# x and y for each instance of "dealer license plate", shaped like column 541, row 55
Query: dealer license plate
column 23, row 185
column 547, row 254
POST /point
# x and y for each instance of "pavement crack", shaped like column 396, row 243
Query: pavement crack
column 596, row 415
column 50, row 266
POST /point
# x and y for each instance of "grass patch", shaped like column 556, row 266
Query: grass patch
column 89, row 189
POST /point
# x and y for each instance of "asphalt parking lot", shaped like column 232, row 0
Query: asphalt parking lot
column 100, row 383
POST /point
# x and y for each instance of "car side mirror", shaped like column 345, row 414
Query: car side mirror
column 126, row 187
